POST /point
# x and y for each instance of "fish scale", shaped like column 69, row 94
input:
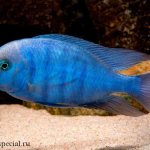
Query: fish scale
column 64, row 71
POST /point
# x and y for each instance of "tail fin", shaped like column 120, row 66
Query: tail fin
column 143, row 96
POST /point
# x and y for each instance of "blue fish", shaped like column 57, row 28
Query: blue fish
column 64, row 71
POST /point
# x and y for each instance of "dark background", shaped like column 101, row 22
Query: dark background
column 113, row 23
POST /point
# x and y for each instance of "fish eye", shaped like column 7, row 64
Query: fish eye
column 4, row 65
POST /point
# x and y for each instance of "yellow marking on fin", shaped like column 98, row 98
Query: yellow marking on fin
column 140, row 68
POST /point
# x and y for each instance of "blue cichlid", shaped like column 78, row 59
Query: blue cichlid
column 64, row 71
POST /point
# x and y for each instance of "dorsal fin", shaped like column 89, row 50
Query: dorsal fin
column 117, row 58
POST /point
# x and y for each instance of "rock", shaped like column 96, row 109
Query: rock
column 43, row 131
column 121, row 23
column 59, row 16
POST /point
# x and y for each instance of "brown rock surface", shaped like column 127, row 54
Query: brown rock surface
column 122, row 23
column 47, row 132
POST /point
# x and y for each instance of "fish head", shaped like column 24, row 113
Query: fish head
column 12, row 67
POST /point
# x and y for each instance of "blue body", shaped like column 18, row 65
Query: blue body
column 60, row 73
column 63, row 71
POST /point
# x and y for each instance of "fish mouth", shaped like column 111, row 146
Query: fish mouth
column 5, row 88
column 12, row 91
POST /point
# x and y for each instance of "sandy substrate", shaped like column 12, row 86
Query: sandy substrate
column 46, row 132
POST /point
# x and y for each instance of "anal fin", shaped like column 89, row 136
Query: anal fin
column 115, row 105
